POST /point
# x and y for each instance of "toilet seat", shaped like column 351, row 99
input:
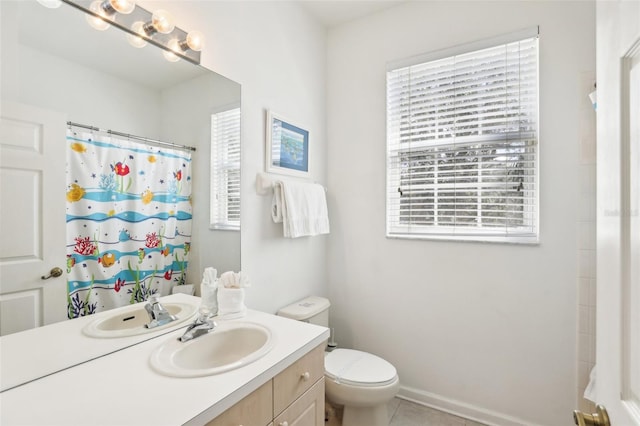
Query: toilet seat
column 357, row 368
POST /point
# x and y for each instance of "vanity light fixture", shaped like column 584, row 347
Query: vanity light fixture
column 99, row 19
column 170, row 55
column 161, row 22
column 136, row 39
column 143, row 27
column 105, row 9
column 51, row 4
column 120, row 6
column 194, row 41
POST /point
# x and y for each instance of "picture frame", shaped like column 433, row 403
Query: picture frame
column 287, row 147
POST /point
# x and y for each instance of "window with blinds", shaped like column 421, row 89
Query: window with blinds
column 225, row 169
column 462, row 145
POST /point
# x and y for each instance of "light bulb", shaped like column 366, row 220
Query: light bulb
column 169, row 55
column 98, row 23
column 195, row 40
column 162, row 21
column 122, row 6
column 137, row 41
column 51, row 4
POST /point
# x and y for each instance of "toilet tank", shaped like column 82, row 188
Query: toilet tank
column 313, row 309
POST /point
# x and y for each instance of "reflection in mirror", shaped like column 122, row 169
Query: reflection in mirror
column 225, row 186
column 55, row 68
column 225, row 168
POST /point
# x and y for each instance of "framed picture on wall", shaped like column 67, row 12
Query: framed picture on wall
column 287, row 147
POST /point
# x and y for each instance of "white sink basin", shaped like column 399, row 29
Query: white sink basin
column 131, row 322
column 229, row 346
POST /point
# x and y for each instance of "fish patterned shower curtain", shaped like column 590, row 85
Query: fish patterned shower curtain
column 128, row 220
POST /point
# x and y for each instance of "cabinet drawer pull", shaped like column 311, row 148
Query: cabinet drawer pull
column 304, row 376
column 284, row 423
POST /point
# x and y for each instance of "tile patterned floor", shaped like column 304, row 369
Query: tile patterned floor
column 405, row 413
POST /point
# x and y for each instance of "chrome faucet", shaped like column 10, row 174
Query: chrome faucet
column 201, row 326
column 158, row 315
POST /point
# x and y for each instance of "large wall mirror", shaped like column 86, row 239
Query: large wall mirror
column 54, row 62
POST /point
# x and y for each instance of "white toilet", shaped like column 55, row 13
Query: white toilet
column 362, row 382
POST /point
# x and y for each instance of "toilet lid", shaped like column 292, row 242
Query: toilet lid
column 358, row 368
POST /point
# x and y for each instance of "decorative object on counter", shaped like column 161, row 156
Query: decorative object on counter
column 301, row 208
column 231, row 287
column 287, row 147
column 143, row 26
column 209, row 290
column 129, row 226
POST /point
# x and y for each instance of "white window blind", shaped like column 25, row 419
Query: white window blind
column 225, row 169
column 462, row 145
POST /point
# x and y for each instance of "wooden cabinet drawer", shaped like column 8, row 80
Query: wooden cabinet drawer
column 297, row 379
column 308, row 410
column 254, row 410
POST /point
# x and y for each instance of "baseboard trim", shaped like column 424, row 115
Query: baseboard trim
column 459, row 408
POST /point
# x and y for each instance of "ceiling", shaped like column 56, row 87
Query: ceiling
column 335, row 12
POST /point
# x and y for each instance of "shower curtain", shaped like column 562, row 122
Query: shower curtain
column 128, row 220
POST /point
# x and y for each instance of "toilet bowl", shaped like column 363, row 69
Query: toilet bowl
column 362, row 382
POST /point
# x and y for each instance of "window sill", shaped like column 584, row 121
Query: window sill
column 224, row 228
column 517, row 240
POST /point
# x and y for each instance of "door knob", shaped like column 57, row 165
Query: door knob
column 54, row 272
column 599, row 418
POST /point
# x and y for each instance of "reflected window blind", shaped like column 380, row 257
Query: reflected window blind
column 462, row 145
column 225, row 169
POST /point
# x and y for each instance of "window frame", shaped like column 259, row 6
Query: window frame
column 505, row 234
column 221, row 208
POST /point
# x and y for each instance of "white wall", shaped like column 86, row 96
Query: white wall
column 485, row 330
column 69, row 87
column 186, row 116
column 277, row 53
column 38, row 78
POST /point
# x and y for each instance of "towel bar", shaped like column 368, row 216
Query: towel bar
column 265, row 182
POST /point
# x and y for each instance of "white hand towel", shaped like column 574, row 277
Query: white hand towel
column 304, row 209
column 210, row 274
column 231, row 303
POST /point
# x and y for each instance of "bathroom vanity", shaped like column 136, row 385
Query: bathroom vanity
column 294, row 396
column 285, row 386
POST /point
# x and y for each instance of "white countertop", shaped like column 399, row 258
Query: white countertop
column 122, row 389
column 40, row 351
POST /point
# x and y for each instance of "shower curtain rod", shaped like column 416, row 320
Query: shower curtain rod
column 126, row 135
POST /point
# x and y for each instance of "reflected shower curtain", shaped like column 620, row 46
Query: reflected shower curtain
column 128, row 220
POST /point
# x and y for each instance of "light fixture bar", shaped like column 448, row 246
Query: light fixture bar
column 126, row 21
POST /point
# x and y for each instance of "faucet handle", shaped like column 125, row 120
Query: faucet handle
column 154, row 298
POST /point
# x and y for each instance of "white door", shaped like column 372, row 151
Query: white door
column 618, row 210
column 32, row 217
